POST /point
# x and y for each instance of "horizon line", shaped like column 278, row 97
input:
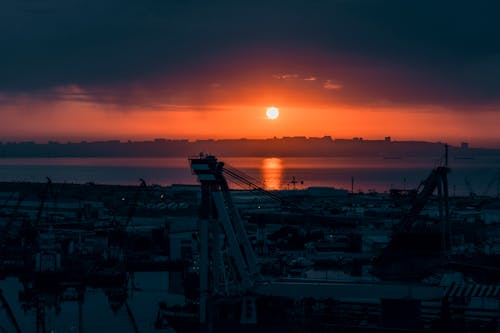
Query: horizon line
column 388, row 139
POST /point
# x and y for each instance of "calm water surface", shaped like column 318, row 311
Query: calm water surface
column 273, row 173
column 97, row 314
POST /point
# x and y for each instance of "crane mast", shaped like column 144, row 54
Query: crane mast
column 227, row 261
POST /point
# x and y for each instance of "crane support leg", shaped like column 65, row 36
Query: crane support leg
column 203, row 270
column 242, row 236
column 234, row 247
column 10, row 314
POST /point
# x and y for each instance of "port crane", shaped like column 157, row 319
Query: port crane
column 416, row 247
column 135, row 200
column 228, row 263
column 48, row 190
column 437, row 179
column 229, row 274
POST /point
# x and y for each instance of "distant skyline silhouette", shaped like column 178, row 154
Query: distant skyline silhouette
column 456, row 142
column 299, row 146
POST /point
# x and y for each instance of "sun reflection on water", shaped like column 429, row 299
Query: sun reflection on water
column 272, row 173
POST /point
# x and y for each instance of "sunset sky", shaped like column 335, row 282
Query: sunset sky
column 118, row 69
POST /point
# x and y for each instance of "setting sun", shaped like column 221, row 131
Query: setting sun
column 272, row 112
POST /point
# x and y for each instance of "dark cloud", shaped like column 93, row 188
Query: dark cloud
column 401, row 51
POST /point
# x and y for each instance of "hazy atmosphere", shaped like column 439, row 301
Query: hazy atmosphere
column 85, row 70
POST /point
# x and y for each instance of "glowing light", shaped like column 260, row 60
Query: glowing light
column 272, row 112
column 272, row 173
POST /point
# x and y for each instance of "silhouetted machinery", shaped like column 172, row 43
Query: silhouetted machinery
column 223, row 240
column 43, row 198
column 135, row 201
column 419, row 243
column 10, row 314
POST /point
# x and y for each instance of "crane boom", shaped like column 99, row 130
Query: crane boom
column 437, row 179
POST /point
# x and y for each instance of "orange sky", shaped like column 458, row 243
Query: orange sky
column 227, row 98
column 86, row 120
column 182, row 69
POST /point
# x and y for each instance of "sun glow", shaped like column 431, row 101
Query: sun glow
column 272, row 112
column 272, row 173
